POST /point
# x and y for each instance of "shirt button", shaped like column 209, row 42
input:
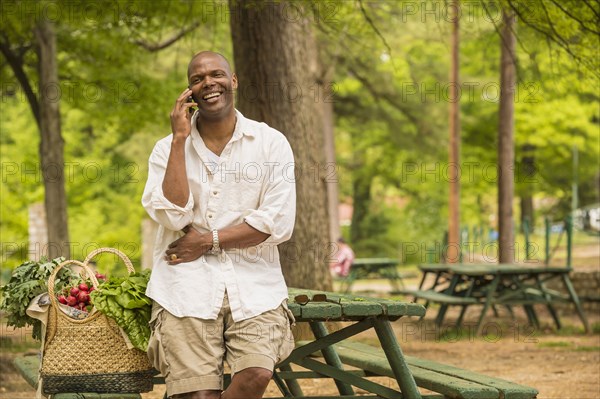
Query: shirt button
column 210, row 216
column 215, row 192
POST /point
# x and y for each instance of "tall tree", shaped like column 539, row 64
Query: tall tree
column 52, row 143
column 276, row 59
column 35, row 26
column 454, row 142
column 506, row 150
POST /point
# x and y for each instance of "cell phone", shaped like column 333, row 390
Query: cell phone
column 190, row 99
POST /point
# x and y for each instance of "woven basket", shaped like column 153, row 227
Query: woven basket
column 90, row 355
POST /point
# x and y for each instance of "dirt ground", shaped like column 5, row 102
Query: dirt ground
column 561, row 364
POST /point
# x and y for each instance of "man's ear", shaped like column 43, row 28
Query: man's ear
column 235, row 81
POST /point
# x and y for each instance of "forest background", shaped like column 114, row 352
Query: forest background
column 121, row 65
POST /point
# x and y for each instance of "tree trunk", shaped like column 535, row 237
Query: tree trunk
column 51, row 144
column 331, row 172
column 527, row 174
column 361, row 200
column 453, row 250
column 506, row 152
column 527, row 211
column 276, row 64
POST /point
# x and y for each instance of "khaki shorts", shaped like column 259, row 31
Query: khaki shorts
column 189, row 352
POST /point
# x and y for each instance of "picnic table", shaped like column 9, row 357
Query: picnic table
column 369, row 268
column 338, row 351
column 492, row 285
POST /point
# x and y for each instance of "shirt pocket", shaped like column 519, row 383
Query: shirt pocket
column 244, row 196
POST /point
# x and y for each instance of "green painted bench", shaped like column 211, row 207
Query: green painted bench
column 440, row 297
column 450, row 381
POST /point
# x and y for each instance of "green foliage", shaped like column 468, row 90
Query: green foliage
column 391, row 109
column 28, row 281
column 115, row 97
column 123, row 299
column 390, row 68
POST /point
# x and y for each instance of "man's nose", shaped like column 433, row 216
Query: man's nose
column 208, row 81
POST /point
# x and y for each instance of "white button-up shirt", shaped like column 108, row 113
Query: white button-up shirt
column 252, row 182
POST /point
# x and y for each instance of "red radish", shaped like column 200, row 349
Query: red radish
column 62, row 299
column 92, row 288
column 80, row 306
column 83, row 297
column 83, row 287
column 71, row 300
column 100, row 276
column 74, row 291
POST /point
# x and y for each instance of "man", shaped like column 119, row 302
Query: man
column 222, row 188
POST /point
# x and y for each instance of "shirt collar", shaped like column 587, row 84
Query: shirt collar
column 242, row 127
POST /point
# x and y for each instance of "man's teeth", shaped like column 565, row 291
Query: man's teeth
column 211, row 95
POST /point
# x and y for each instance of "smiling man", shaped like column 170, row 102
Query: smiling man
column 222, row 189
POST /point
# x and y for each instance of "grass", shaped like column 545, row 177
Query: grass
column 586, row 348
column 554, row 344
column 17, row 345
column 569, row 346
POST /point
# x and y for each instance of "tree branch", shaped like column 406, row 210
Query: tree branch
column 16, row 63
column 583, row 25
column 551, row 37
column 386, row 97
column 551, row 25
column 503, row 39
column 372, row 24
column 592, row 8
column 153, row 47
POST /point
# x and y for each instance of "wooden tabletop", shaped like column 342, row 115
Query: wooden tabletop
column 492, row 268
column 340, row 307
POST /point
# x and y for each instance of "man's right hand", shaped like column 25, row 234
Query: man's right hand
column 181, row 117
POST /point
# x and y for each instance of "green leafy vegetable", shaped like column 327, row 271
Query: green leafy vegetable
column 28, row 281
column 124, row 300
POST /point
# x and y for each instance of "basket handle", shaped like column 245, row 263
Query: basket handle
column 52, row 278
column 120, row 254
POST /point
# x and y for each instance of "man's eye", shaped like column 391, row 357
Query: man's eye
column 219, row 74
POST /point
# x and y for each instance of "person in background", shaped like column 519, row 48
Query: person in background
column 343, row 259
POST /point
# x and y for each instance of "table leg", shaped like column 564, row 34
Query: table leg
column 548, row 299
column 292, row 385
column 423, row 280
column 443, row 307
column 510, row 312
column 575, row 300
column 392, row 350
column 281, row 385
column 464, row 307
column 488, row 301
column 330, row 355
column 532, row 316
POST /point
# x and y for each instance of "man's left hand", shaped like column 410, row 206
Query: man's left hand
column 189, row 247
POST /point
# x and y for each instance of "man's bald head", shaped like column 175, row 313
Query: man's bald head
column 203, row 54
